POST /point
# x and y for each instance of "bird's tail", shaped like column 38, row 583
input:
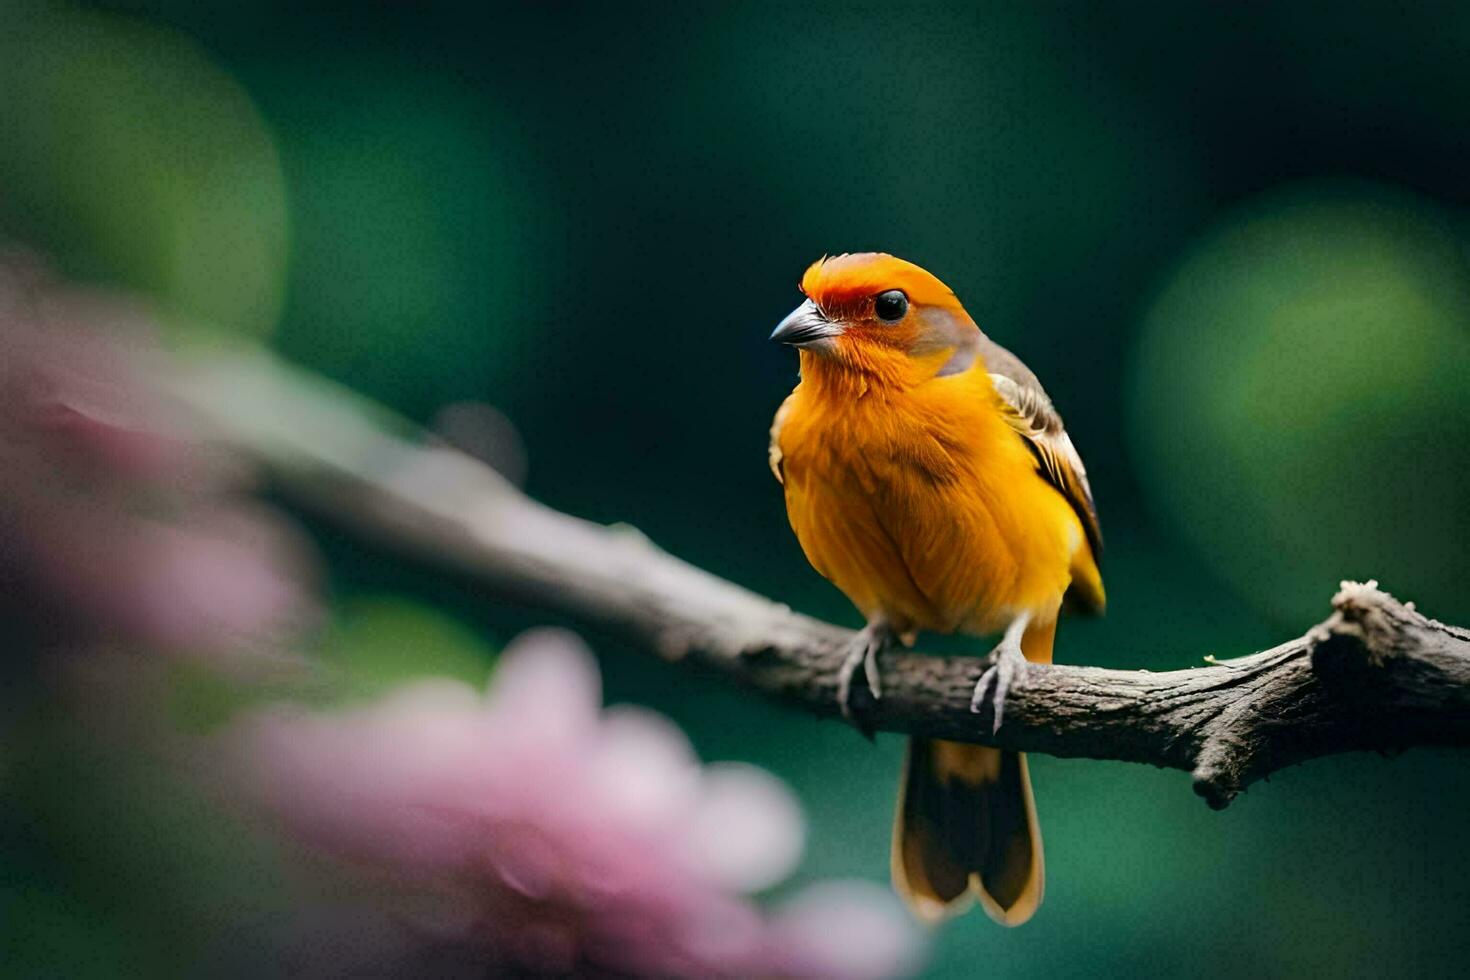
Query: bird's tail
column 966, row 824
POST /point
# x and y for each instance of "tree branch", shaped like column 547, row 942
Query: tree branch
column 1376, row 675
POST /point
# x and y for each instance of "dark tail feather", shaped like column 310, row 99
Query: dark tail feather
column 966, row 824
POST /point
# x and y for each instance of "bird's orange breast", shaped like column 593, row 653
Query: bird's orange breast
column 923, row 506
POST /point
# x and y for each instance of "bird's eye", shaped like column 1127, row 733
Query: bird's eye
column 891, row 306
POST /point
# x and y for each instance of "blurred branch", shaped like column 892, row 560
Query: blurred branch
column 1375, row 675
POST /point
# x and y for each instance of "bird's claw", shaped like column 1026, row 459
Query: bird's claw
column 862, row 652
column 1006, row 670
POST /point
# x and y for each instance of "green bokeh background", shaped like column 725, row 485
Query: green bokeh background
column 1230, row 238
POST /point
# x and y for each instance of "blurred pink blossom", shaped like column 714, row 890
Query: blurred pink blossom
column 115, row 524
column 551, row 836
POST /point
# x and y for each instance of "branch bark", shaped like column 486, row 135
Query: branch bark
column 1375, row 675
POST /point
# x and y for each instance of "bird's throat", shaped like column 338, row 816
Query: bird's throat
column 854, row 371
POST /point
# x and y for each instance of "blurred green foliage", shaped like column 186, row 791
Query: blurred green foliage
column 1300, row 397
column 378, row 643
column 591, row 216
column 131, row 155
column 370, row 646
column 409, row 204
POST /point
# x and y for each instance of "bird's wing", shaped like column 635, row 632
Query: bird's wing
column 1029, row 411
column 774, row 453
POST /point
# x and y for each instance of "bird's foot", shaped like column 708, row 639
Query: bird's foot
column 1007, row 669
column 863, row 652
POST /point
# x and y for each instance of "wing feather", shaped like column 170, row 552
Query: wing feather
column 1031, row 413
column 774, row 452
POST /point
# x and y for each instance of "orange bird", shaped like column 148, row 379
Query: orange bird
column 929, row 478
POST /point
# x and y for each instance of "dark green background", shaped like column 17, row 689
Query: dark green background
column 1230, row 239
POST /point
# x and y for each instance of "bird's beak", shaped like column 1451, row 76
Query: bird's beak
column 807, row 327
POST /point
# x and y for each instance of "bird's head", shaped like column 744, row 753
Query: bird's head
column 873, row 313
